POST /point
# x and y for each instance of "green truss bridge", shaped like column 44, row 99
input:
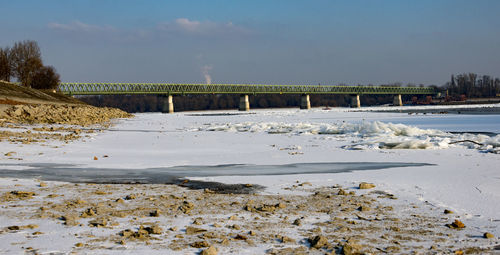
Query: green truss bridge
column 170, row 89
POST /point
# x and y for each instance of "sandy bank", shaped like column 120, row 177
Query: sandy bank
column 148, row 218
column 82, row 115
column 29, row 115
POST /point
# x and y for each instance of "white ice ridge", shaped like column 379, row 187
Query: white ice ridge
column 369, row 135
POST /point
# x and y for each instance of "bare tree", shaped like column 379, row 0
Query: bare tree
column 25, row 60
column 5, row 68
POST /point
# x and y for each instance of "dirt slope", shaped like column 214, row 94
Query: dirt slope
column 25, row 105
column 14, row 94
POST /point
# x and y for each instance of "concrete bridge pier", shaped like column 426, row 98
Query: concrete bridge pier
column 244, row 103
column 305, row 103
column 397, row 101
column 167, row 104
column 355, row 103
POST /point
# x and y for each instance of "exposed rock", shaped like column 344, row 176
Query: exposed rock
column 210, row 235
column 155, row 230
column 200, row 244
column 186, row 207
column 102, row 222
column 13, row 228
column 297, row 222
column 126, row 233
column 100, row 192
column 193, row 230
column 366, row 185
column 198, row 221
column 119, row 214
column 225, row 242
column 23, row 194
column 78, row 202
column 351, row 248
column 155, row 213
column 10, row 153
column 286, row 251
column 88, row 213
column 142, row 233
column 364, row 208
column 456, row 224
column 265, row 208
column 446, row 211
column 210, row 251
column 286, row 239
column 130, row 197
column 342, row 192
column 31, row 226
column 250, row 208
column 392, row 249
column 240, row 237
column 70, row 220
column 318, row 242
column 488, row 235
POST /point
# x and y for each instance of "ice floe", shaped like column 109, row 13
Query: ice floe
column 368, row 135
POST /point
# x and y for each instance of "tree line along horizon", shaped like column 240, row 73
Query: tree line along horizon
column 23, row 62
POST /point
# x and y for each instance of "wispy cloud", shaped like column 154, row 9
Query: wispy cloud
column 180, row 28
column 78, row 26
column 195, row 27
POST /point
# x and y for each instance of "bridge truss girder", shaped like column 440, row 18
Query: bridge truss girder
column 181, row 89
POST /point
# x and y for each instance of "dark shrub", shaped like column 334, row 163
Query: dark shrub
column 45, row 77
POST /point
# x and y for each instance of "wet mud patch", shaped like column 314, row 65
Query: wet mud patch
column 221, row 188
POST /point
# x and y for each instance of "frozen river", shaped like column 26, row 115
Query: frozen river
column 411, row 155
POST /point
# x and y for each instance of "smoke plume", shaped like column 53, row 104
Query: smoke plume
column 204, row 70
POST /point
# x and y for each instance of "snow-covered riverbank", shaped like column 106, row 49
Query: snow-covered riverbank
column 458, row 174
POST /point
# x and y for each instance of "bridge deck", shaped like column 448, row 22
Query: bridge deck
column 180, row 89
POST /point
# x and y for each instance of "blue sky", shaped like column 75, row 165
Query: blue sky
column 273, row 41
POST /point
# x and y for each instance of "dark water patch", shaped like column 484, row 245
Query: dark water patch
column 465, row 110
column 176, row 175
column 133, row 130
column 490, row 134
column 218, row 114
